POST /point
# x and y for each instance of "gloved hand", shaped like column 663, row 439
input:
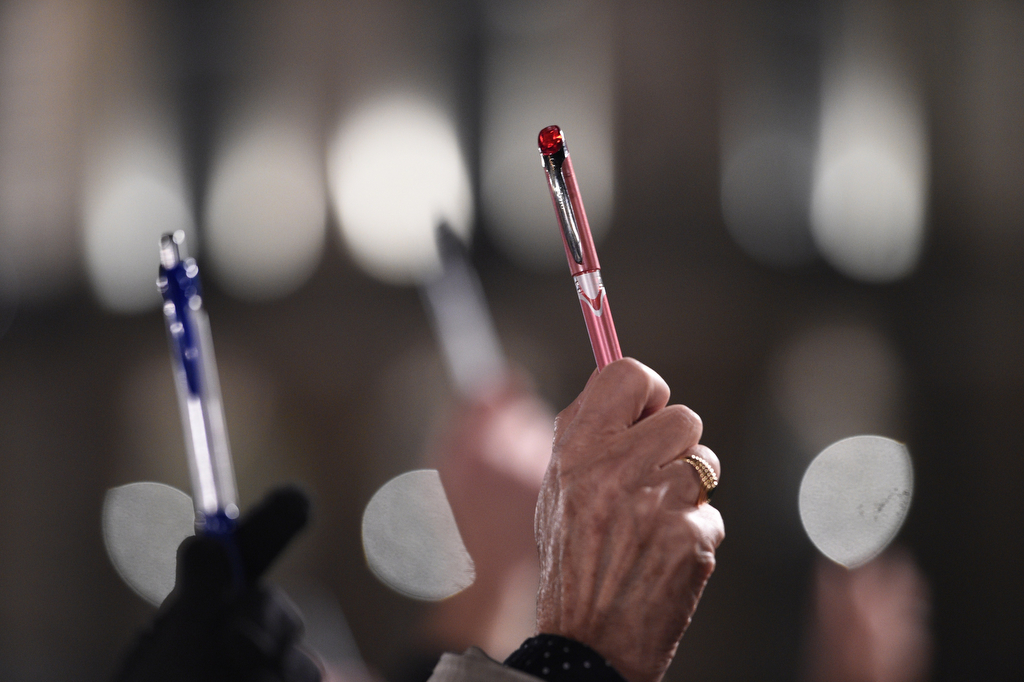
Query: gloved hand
column 219, row 624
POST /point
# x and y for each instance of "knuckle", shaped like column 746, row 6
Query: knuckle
column 712, row 527
column 692, row 527
column 626, row 372
column 683, row 419
column 704, row 564
column 696, row 423
column 694, row 418
column 629, row 365
column 697, row 549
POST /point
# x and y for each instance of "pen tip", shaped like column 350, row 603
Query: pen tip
column 550, row 140
column 169, row 254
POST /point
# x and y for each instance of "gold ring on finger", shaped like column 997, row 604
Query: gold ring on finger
column 708, row 477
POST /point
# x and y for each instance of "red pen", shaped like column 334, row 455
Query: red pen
column 579, row 245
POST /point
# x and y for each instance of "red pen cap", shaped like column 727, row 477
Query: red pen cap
column 572, row 218
column 550, row 140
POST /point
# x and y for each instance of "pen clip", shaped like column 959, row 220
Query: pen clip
column 563, row 205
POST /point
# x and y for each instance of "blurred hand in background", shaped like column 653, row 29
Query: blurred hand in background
column 870, row 623
column 491, row 456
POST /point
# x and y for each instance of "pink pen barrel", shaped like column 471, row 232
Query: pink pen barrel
column 579, row 246
column 594, row 301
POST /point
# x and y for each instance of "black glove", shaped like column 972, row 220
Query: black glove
column 219, row 624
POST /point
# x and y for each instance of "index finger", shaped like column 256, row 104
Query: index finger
column 623, row 393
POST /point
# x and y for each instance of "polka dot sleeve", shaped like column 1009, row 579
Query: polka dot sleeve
column 559, row 659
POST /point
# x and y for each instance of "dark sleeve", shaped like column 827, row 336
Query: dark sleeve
column 559, row 659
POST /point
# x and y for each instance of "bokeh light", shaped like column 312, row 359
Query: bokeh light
column 411, row 540
column 855, row 496
column 143, row 525
column 870, row 184
column 266, row 211
column 396, row 171
column 134, row 192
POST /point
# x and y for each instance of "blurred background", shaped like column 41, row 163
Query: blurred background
column 810, row 217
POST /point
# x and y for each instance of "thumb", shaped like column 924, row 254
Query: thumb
column 268, row 528
column 204, row 569
column 623, row 393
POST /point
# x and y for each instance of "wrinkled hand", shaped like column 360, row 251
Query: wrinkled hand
column 219, row 623
column 625, row 552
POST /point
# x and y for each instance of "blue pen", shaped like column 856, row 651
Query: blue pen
column 461, row 319
column 198, row 388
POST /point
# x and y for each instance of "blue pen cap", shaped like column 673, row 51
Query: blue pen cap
column 180, row 286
